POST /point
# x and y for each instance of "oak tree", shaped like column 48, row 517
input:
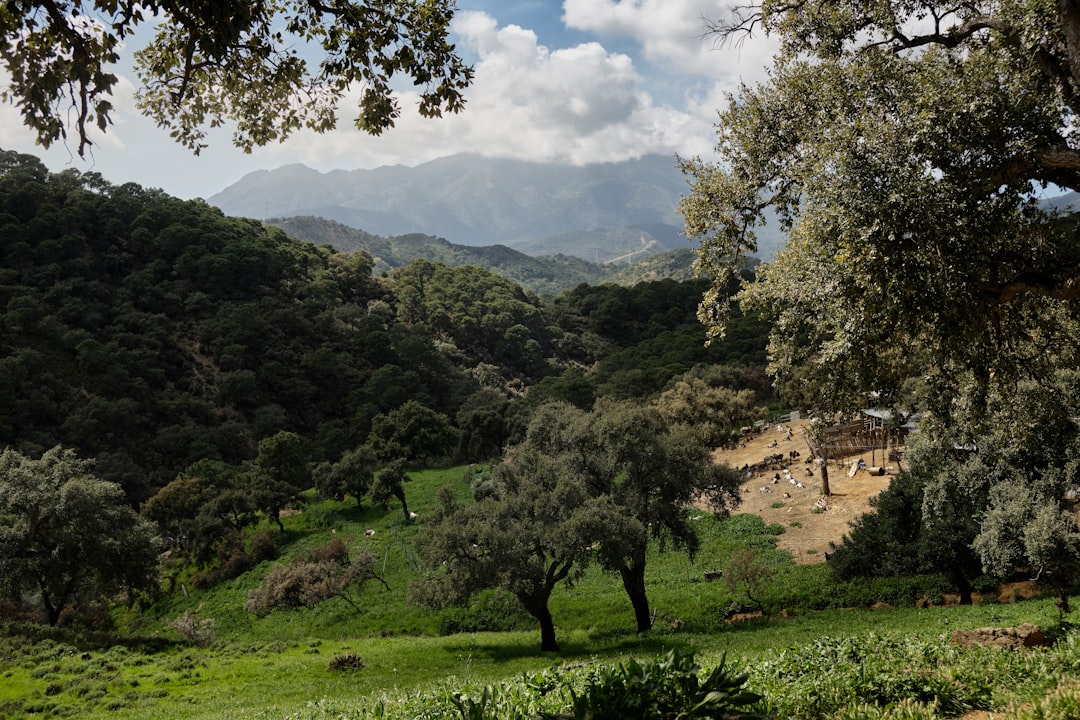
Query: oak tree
column 531, row 533
column 279, row 474
column 390, row 483
column 66, row 536
column 905, row 147
column 644, row 473
column 269, row 68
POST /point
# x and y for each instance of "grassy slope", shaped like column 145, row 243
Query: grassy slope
column 275, row 665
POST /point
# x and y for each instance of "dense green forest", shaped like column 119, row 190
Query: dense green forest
column 546, row 274
column 149, row 333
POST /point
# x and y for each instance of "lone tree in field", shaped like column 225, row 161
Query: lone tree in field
column 647, row 477
column 267, row 68
column 67, row 537
column 531, row 533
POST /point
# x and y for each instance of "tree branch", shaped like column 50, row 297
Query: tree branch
column 1040, row 284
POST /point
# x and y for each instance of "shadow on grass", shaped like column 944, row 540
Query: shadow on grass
column 576, row 647
column 83, row 639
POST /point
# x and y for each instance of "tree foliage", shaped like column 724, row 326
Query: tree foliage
column 269, row 68
column 151, row 333
column 281, row 471
column 205, row 507
column 900, row 144
column 351, row 475
column 992, row 502
column 643, row 476
column 68, row 537
column 713, row 413
column 532, row 533
column 414, row 433
column 390, row 483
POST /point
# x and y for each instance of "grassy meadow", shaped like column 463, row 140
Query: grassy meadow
column 821, row 652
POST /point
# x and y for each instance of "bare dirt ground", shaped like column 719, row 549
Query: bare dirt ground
column 808, row 533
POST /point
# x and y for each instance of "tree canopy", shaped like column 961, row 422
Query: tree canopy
column 906, row 147
column 271, row 68
column 533, row 531
column 642, row 476
column 67, row 537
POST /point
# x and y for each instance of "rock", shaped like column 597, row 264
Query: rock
column 1025, row 636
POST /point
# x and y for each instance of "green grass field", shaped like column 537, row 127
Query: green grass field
column 279, row 666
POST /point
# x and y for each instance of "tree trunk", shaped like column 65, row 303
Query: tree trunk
column 965, row 590
column 404, row 505
column 633, row 579
column 825, row 478
column 538, row 608
column 53, row 611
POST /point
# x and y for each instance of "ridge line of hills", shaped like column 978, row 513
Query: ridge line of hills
column 544, row 274
column 539, row 208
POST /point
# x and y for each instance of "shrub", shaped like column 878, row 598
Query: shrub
column 746, row 571
column 321, row 517
column 667, row 687
column 492, row 611
column 325, row 573
column 335, row 552
column 196, row 630
column 349, row 662
column 263, row 547
column 233, row 561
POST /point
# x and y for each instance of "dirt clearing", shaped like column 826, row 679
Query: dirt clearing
column 791, row 502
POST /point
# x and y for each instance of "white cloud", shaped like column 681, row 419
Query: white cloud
column 672, row 33
column 577, row 104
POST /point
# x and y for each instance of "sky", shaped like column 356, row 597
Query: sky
column 576, row 81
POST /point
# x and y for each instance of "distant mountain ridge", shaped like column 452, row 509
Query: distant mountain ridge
column 541, row 208
column 544, row 275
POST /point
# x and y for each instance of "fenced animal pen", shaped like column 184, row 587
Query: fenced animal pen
column 869, row 434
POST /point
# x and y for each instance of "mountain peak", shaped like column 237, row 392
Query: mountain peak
column 470, row 199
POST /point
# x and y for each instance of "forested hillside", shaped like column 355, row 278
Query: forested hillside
column 543, row 275
column 149, row 333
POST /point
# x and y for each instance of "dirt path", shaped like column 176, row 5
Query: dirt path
column 808, row 533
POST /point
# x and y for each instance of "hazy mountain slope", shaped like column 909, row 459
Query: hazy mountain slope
column 544, row 275
column 468, row 199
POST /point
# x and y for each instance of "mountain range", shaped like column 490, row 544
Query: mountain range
column 542, row 274
column 595, row 212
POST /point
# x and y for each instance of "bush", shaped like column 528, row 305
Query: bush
column 233, row 561
column 747, row 571
column 196, row 630
column 321, row 517
column 335, row 552
column 492, row 611
column 863, row 677
column 350, row 662
column 326, row 572
column 668, row 687
column 263, row 547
